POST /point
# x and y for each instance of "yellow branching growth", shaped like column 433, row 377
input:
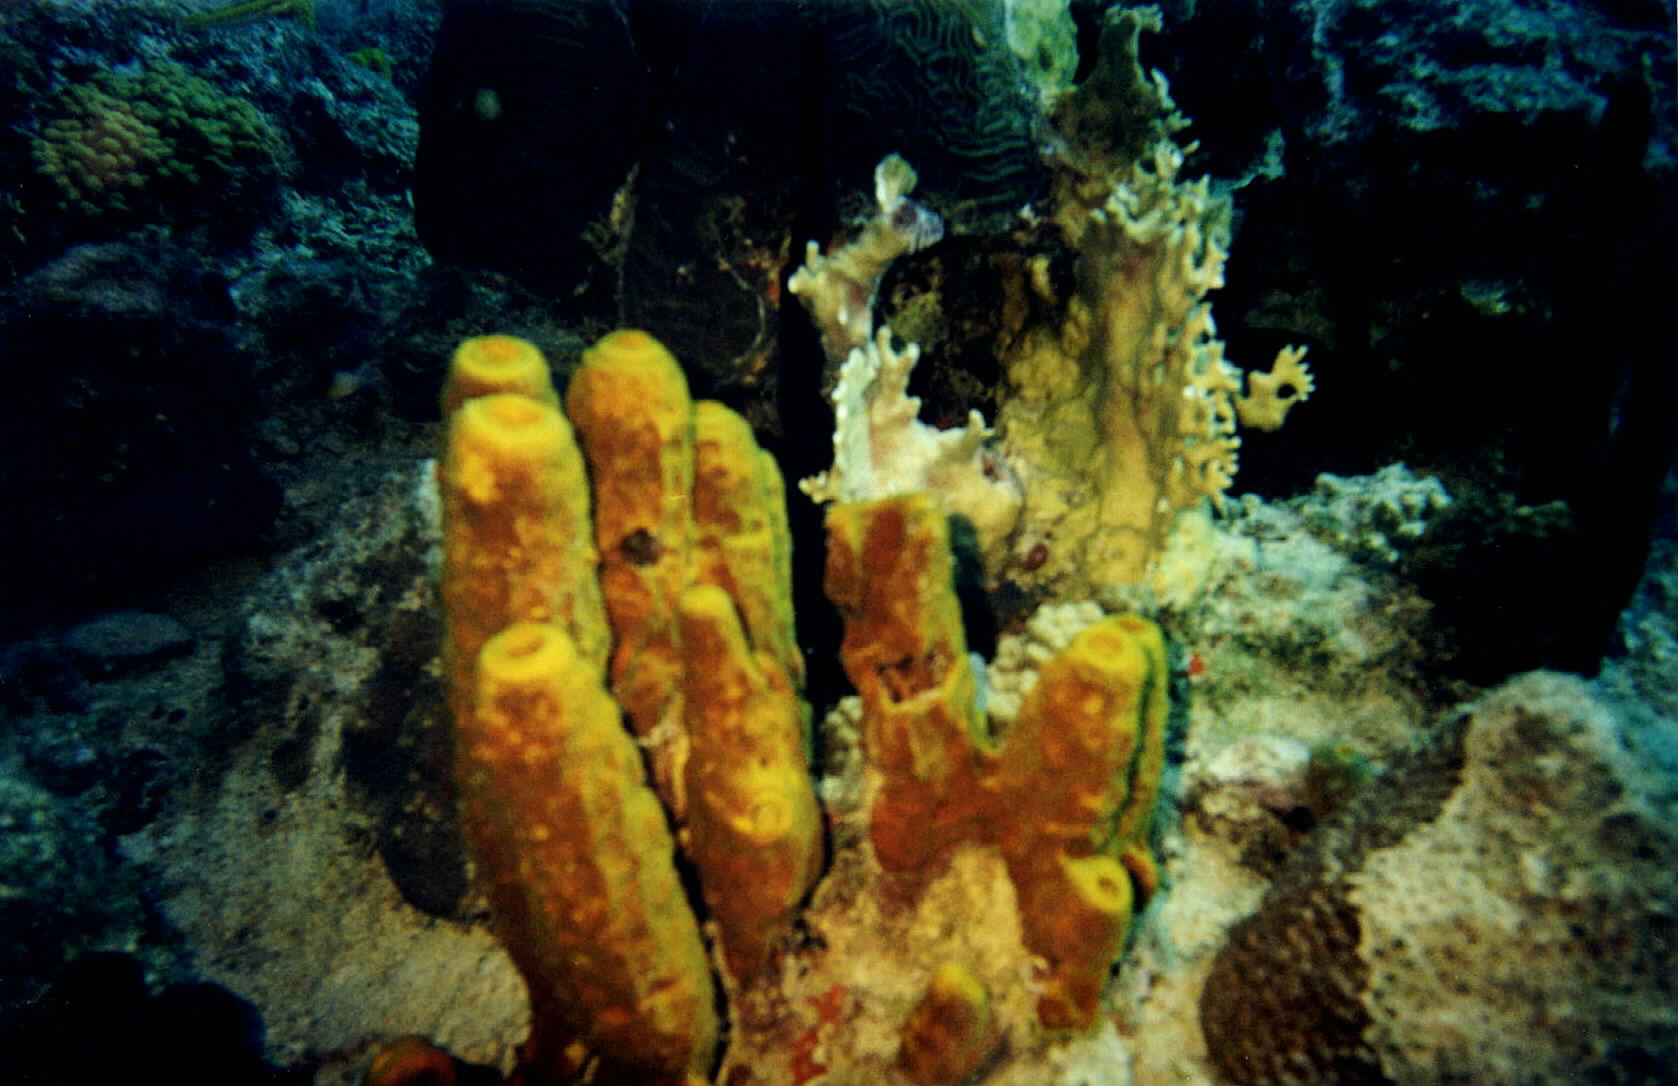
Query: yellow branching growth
column 1125, row 413
column 1122, row 414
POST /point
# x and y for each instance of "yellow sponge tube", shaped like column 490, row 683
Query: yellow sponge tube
column 889, row 573
column 585, row 891
column 516, row 538
column 743, row 544
column 634, row 418
column 951, row 1031
column 752, row 825
column 1083, row 770
column 484, row 365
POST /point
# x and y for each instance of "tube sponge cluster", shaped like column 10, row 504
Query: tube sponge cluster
column 626, row 681
column 551, row 593
column 1066, row 800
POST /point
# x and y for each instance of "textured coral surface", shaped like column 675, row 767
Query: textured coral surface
column 1521, row 853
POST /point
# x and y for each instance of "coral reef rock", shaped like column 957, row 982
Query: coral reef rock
column 1498, row 909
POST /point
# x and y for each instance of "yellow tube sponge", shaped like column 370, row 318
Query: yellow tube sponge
column 1066, row 800
column 580, row 862
column 516, row 540
column 1075, row 912
column 679, row 586
column 752, row 827
column 889, row 573
column 742, row 543
column 951, row 1031
column 484, row 365
column 630, row 404
column 1083, row 771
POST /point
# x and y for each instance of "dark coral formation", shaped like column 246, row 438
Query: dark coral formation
column 1466, row 215
column 156, row 472
column 658, row 163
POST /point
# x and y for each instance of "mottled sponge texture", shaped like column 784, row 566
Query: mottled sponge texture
column 1499, row 908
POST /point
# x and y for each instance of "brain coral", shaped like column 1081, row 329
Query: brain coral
column 932, row 81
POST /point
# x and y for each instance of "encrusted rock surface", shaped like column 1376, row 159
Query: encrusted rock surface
column 1498, row 909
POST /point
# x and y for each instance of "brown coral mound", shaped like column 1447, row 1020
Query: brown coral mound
column 1497, row 909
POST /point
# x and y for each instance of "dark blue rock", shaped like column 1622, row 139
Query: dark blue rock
column 124, row 640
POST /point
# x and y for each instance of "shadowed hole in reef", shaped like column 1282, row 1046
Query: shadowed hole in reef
column 399, row 756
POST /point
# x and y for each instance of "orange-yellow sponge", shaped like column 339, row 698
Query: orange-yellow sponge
column 516, row 539
column 679, row 586
column 580, row 862
column 742, row 543
column 752, row 827
column 1066, row 801
column 484, row 365
column 1083, row 773
column 951, row 1031
column 888, row 571
column 629, row 402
